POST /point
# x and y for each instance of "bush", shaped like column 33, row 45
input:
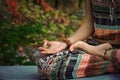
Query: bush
column 39, row 25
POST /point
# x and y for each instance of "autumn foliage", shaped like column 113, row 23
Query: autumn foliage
column 14, row 10
column 24, row 26
column 13, row 7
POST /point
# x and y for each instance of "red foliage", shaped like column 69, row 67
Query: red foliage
column 17, row 16
column 45, row 5
column 13, row 8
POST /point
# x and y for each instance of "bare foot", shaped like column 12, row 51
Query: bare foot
column 100, row 50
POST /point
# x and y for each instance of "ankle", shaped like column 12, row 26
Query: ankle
column 98, row 52
column 107, row 54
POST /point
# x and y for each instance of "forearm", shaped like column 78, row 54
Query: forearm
column 82, row 33
column 86, row 29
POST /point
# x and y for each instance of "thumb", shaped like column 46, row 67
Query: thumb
column 71, row 48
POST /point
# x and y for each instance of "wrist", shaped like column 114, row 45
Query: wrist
column 66, row 41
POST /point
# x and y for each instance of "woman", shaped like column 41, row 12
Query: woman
column 98, row 40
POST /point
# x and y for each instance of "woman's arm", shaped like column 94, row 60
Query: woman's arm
column 82, row 33
column 87, row 28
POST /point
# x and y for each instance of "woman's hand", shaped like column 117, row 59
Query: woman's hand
column 81, row 45
column 51, row 47
column 99, row 50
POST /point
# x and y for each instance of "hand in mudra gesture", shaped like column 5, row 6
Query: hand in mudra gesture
column 52, row 47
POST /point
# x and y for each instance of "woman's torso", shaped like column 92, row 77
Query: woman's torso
column 106, row 20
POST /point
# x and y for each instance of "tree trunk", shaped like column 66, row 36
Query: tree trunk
column 67, row 6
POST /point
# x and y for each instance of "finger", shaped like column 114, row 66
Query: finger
column 47, row 52
column 55, row 51
column 42, row 48
column 50, row 51
column 49, row 43
column 44, row 52
column 45, row 44
column 71, row 48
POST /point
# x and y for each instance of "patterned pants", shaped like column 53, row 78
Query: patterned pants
column 67, row 65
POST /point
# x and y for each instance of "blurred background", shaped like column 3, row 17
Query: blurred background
column 24, row 24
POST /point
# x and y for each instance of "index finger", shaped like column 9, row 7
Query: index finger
column 46, row 43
